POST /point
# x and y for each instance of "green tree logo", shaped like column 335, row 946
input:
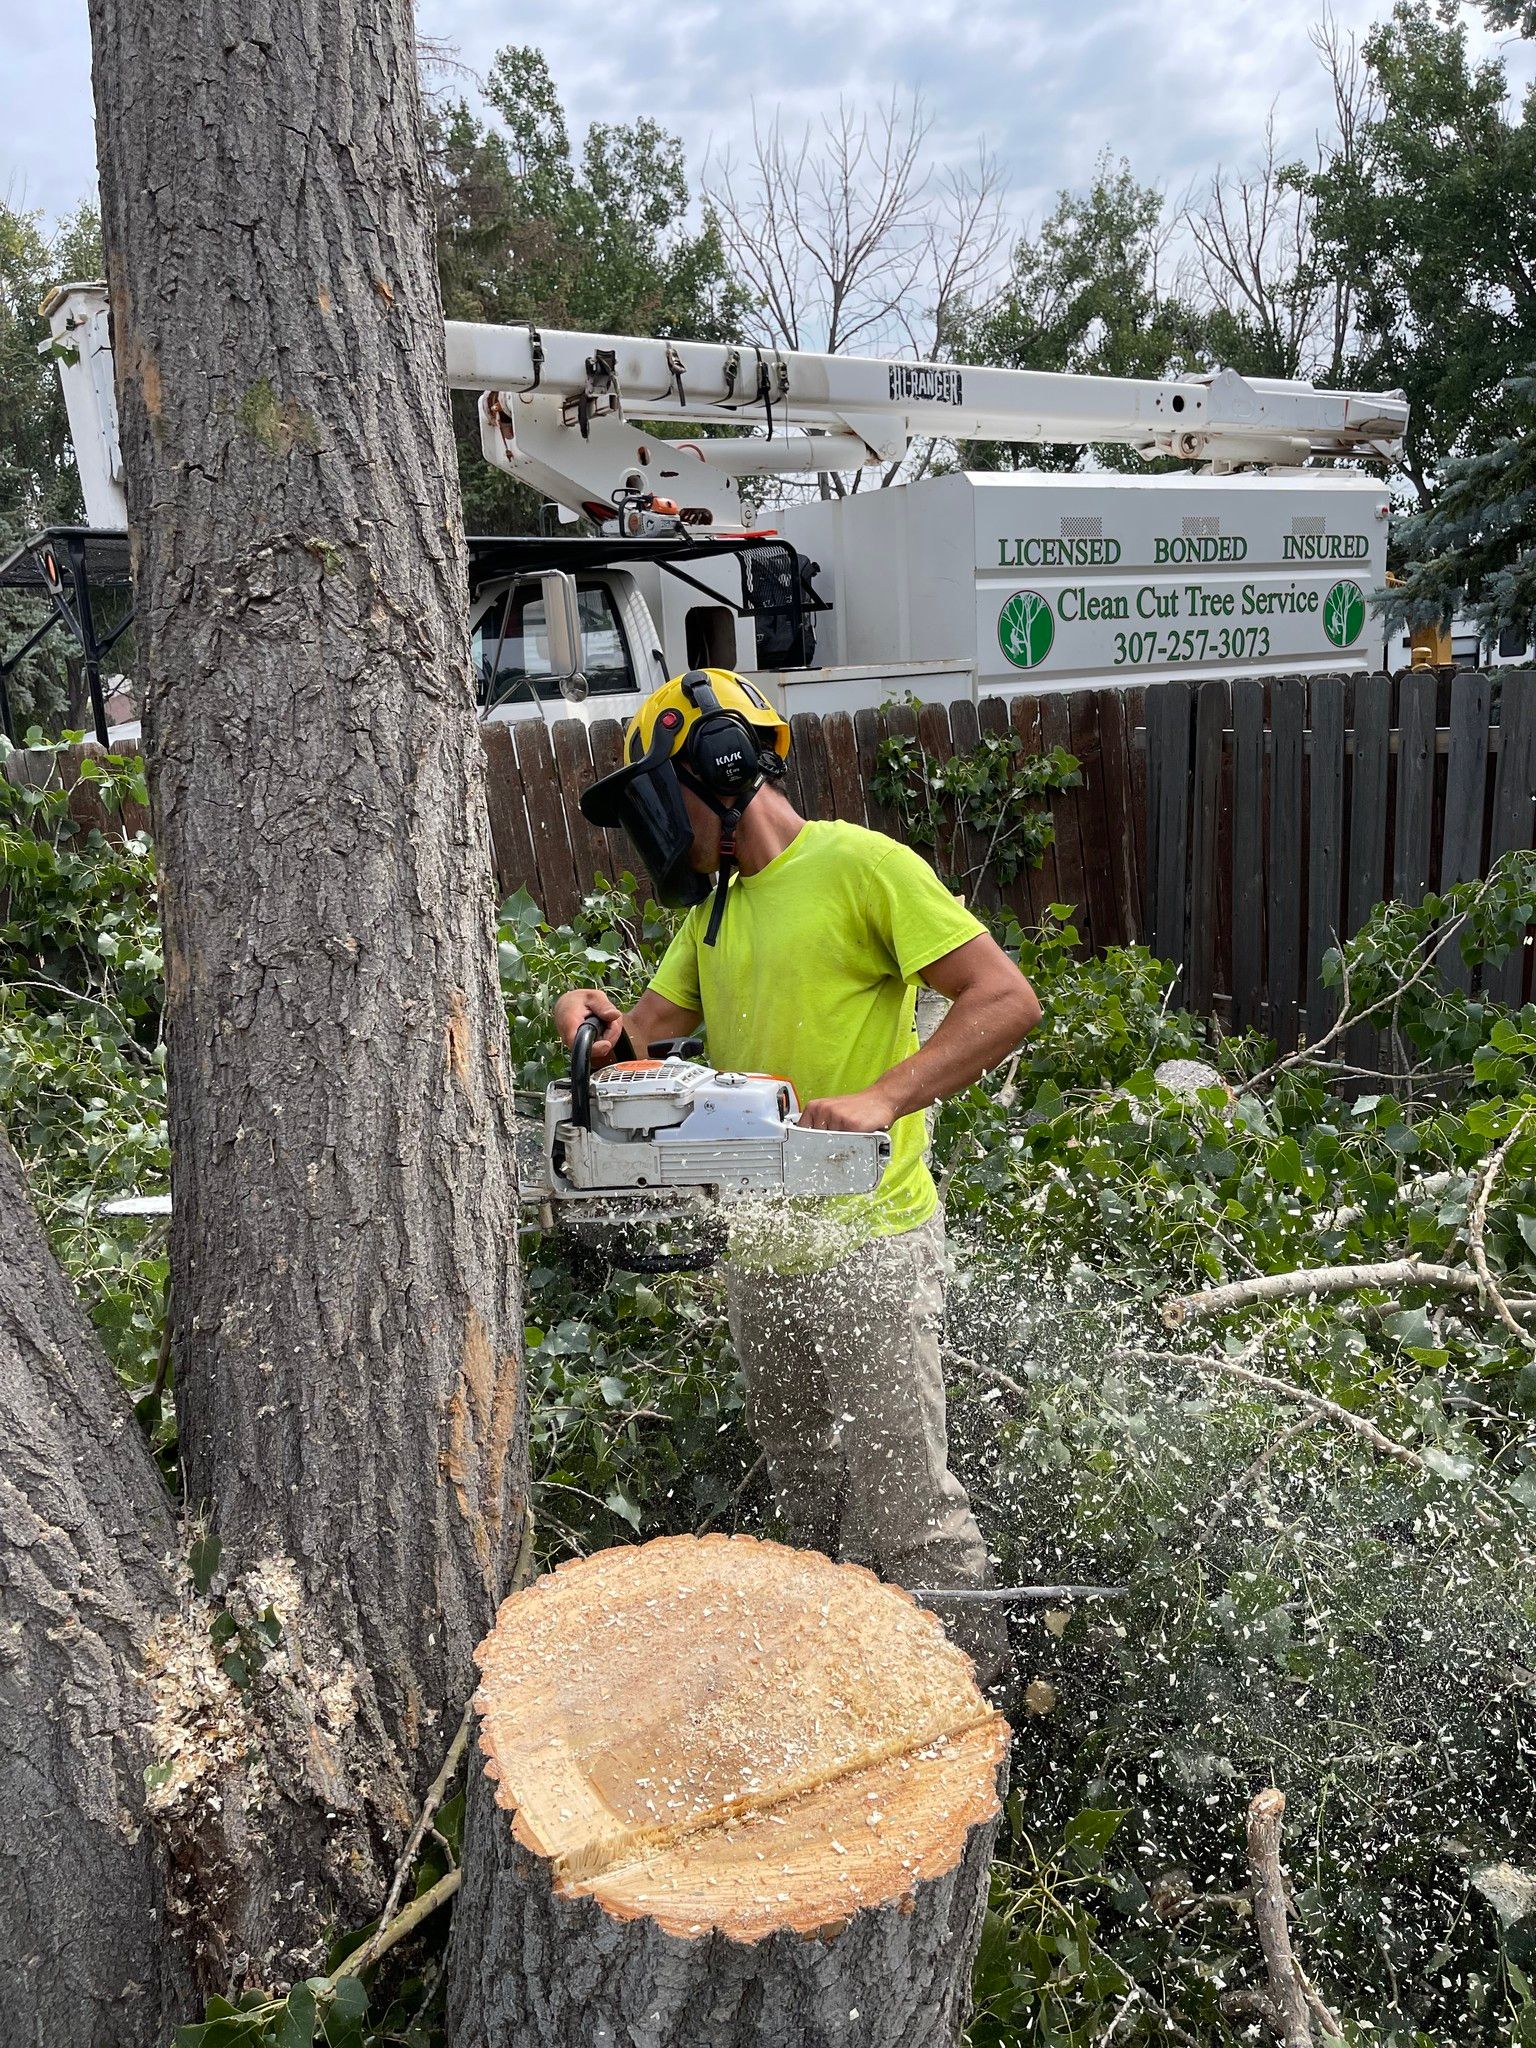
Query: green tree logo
column 1344, row 614
column 1026, row 626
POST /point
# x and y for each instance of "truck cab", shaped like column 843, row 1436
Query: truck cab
column 563, row 626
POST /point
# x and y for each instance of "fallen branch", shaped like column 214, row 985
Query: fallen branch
column 1251, row 1472
column 1309, row 1280
column 1477, row 1223
column 1289, row 2013
column 994, row 1373
column 730, row 1505
column 1306, row 1397
column 390, row 1932
column 1422, row 1189
column 395, row 1925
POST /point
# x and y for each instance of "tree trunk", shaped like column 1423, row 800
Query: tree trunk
column 86, row 1540
column 343, row 1247
column 754, row 1796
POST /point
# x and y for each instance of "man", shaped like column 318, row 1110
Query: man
column 803, row 961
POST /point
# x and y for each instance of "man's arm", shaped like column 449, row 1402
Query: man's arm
column 652, row 1018
column 992, row 1006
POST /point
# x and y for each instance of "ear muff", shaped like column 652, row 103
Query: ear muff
column 722, row 751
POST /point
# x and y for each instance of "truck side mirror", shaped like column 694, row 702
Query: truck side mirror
column 562, row 626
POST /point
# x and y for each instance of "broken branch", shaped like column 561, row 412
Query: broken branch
column 1309, row 1280
column 1288, row 2011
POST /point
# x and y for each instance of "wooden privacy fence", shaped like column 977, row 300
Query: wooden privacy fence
column 1278, row 814
column 1237, row 828
column 535, row 774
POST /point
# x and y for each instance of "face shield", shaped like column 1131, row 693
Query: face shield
column 645, row 800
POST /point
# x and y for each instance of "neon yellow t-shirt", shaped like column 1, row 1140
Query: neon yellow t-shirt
column 813, row 976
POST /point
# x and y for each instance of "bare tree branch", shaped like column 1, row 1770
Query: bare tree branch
column 849, row 242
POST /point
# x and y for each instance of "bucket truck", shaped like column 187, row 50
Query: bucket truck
column 954, row 584
column 961, row 583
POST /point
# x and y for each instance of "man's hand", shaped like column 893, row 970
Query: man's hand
column 573, row 1009
column 870, row 1110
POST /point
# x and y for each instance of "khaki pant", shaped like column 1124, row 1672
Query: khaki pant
column 845, row 1394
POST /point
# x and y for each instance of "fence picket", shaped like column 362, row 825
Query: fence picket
column 1510, row 826
column 1248, row 1006
column 511, row 838
column 1168, row 793
column 1093, row 824
column 1325, row 862
column 1210, row 722
column 573, row 764
column 843, row 768
column 1287, row 721
column 1369, row 847
column 560, row 891
column 1119, row 813
column 1412, row 837
column 1056, row 731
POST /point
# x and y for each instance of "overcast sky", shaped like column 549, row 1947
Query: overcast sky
column 1045, row 84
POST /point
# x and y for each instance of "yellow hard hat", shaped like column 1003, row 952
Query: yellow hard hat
column 709, row 731
column 732, row 694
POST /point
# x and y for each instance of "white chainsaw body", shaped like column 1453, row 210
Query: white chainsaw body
column 674, row 1127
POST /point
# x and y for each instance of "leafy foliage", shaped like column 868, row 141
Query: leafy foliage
column 1086, row 293
column 531, row 229
column 983, row 794
column 82, row 1073
column 1429, row 213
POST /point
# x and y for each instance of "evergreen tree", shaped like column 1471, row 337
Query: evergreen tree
column 1474, row 551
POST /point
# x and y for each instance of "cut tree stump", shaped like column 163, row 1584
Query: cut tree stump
column 753, row 1796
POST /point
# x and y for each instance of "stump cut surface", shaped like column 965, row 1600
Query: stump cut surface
column 722, row 1733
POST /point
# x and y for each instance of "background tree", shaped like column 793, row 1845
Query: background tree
column 602, row 239
column 1271, row 308
column 1089, row 292
column 345, row 1306
column 849, row 243
column 1430, row 214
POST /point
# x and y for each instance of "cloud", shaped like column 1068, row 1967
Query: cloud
column 1046, row 86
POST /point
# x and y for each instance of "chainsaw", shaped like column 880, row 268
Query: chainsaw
column 654, row 1142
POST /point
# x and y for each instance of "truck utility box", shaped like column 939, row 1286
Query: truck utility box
column 1035, row 577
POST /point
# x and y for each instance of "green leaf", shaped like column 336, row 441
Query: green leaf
column 203, row 1561
column 295, row 2026
column 343, row 2019
column 1089, row 1833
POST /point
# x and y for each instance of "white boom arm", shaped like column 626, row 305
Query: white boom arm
column 556, row 408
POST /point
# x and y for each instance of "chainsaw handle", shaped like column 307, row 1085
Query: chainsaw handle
column 587, row 1032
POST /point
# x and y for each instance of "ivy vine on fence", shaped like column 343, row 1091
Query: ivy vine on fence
column 986, row 797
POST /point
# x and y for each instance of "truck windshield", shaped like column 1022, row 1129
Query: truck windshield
column 510, row 647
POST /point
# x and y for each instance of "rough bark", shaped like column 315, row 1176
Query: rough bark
column 734, row 1797
column 531, row 1966
column 86, row 1536
column 343, row 1247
